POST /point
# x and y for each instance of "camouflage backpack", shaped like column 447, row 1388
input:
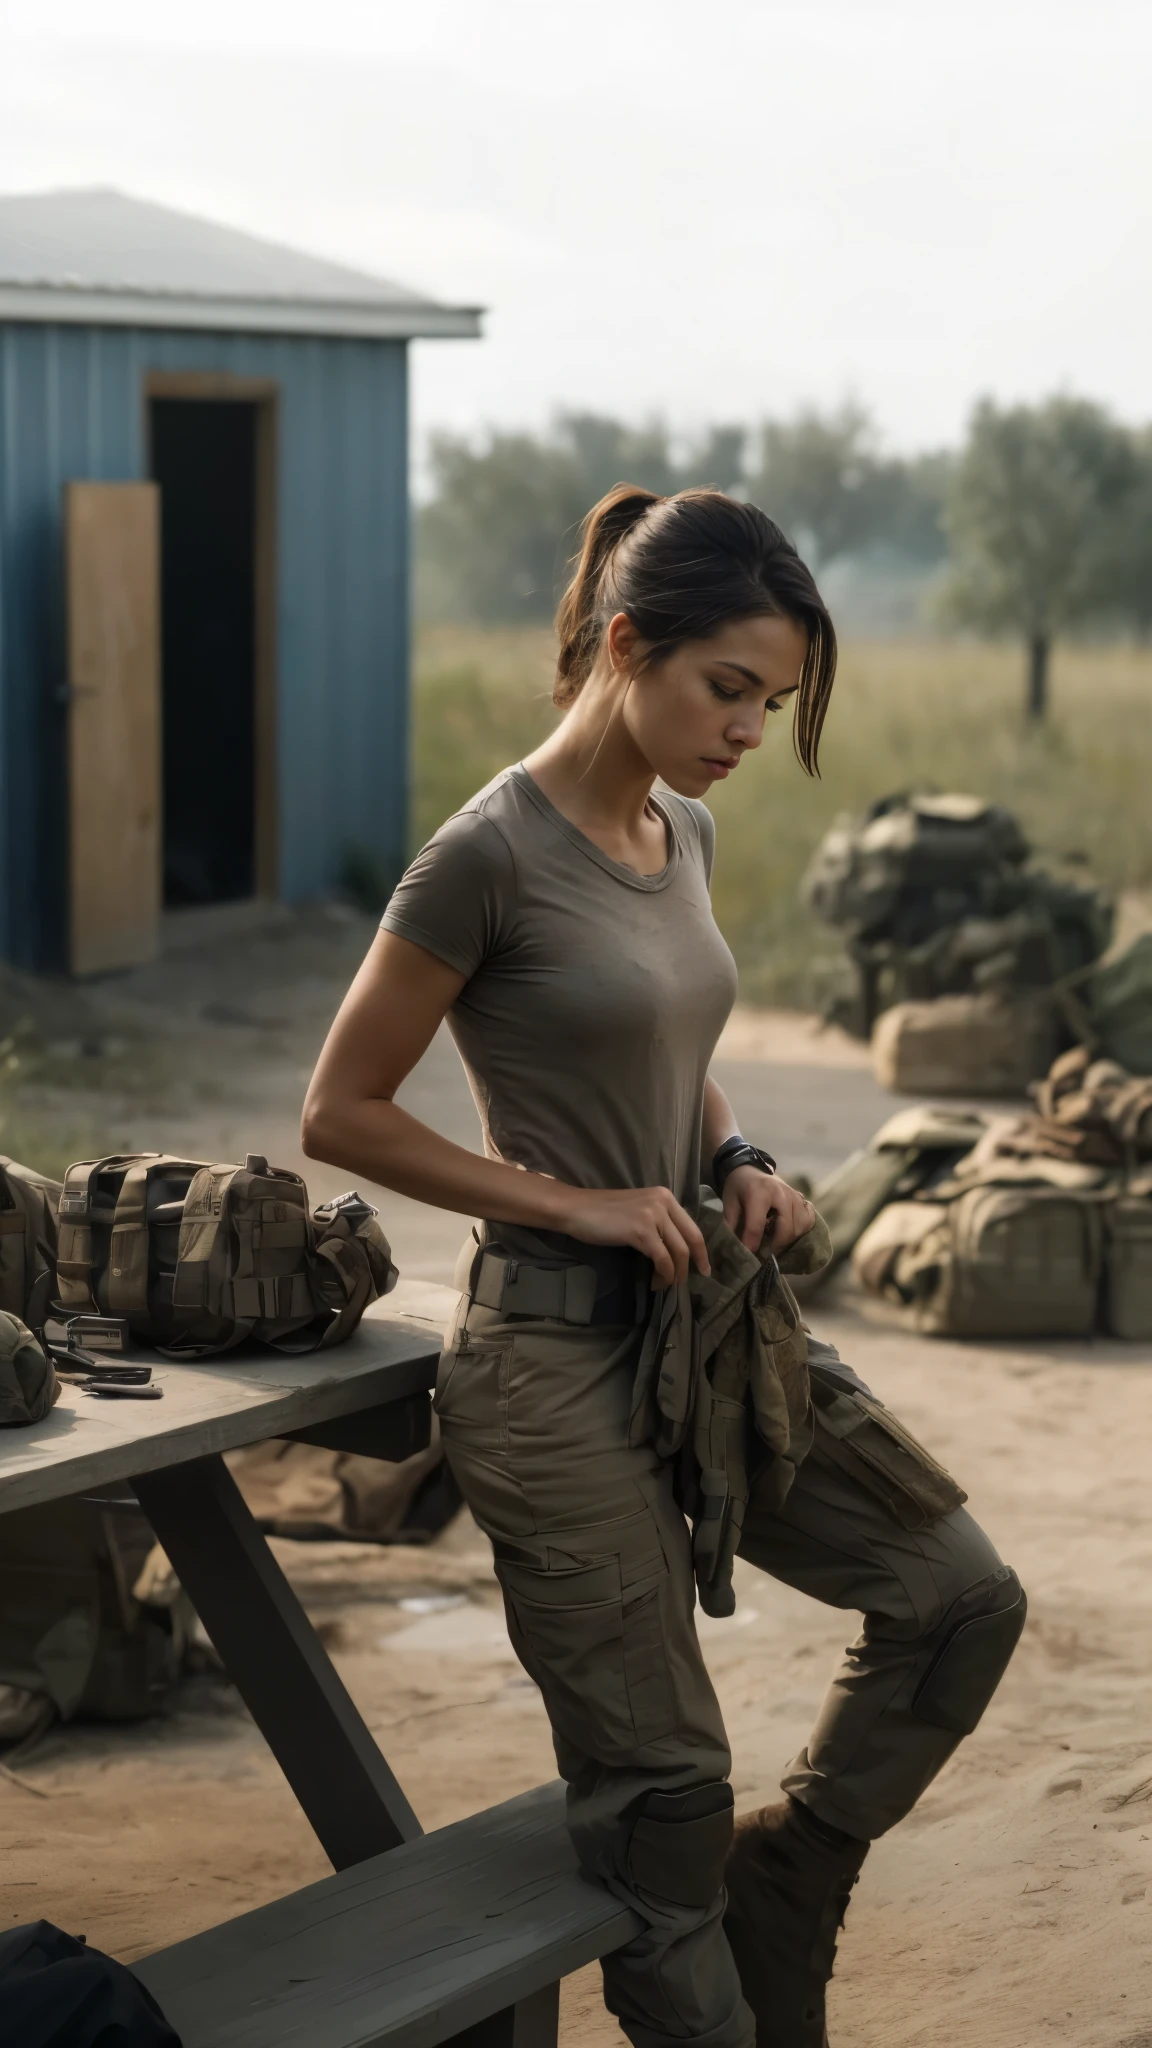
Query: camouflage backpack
column 28, row 1206
column 936, row 895
column 201, row 1257
column 912, row 864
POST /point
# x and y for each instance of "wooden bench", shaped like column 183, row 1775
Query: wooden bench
column 469, row 1928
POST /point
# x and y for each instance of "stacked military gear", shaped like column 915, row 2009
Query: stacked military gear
column 939, row 896
column 1041, row 1226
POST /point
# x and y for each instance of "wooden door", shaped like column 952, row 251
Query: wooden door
column 113, row 585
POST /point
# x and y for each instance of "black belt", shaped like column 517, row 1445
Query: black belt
column 601, row 1284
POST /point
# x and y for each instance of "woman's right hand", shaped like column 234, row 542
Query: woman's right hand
column 651, row 1220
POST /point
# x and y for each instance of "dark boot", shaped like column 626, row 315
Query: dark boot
column 789, row 1879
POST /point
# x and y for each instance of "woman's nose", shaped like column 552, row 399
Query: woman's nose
column 745, row 730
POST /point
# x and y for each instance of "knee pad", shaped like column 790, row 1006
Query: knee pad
column 680, row 1842
column 972, row 1649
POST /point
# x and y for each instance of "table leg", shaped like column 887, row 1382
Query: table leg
column 278, row 1664
column 531, row 2024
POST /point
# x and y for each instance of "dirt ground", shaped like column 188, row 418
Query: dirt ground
column 1012, row 1909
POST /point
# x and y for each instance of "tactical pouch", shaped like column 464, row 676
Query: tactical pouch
column 856, row 1433
column 119, row 1231
column 679, row 1845
column 253, row 1262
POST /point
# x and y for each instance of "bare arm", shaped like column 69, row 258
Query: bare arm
column 385, row 1023
column 755, row 1204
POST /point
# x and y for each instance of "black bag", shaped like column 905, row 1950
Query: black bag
column 55, row 1992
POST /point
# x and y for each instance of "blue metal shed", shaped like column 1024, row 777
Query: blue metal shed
column 204, row 678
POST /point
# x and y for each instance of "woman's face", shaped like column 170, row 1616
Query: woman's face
column 695, row 715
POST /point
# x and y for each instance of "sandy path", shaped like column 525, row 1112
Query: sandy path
column 1012, row 1909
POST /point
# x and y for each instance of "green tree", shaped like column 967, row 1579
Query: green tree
column 822, row 478
column 1036, row 507
column 1128, row 544
column 494, row 539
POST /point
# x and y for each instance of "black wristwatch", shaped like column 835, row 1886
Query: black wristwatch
column 736, row 1152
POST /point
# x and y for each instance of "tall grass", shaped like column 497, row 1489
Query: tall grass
column 905, row 714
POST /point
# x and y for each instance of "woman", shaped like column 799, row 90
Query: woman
column 561, row 922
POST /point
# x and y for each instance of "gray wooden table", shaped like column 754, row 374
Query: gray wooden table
column 368, row 1395
column 461, row 1936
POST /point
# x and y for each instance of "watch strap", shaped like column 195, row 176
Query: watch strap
column 738, row 1151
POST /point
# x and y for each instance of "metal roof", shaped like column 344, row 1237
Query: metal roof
column 102, row 258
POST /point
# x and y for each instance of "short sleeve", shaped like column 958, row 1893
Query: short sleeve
column 701, row 821
column 458, row 898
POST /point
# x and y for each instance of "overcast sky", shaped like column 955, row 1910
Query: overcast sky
column 711, row 209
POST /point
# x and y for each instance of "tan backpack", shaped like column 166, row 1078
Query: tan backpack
column 200, row 1257
column 978, row 1044
column 28, row 1206
column 1017, row 1255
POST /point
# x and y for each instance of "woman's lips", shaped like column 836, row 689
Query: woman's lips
column 721, row 768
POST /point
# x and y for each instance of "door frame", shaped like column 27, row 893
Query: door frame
column 264, row 394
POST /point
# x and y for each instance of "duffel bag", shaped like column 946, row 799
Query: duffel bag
column 1012, row 1257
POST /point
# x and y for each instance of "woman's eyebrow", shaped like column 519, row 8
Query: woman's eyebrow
column 757, row 682
column 749, row 674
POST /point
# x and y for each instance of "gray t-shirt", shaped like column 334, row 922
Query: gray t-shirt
column 595, row 995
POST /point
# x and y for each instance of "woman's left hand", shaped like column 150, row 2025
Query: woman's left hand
column 759, row 1205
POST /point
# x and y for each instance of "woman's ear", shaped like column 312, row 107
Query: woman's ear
column 622, row 641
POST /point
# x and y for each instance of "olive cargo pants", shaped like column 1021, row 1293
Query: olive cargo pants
column 592, row 1553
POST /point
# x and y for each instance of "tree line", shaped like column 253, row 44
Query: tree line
column 1040, row 524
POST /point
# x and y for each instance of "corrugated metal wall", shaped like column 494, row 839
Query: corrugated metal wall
column 72, row 406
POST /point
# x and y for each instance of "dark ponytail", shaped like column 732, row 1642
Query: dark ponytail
column 578, row 622
column 680, row 568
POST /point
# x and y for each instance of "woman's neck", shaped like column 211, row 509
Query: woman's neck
column 591, row 769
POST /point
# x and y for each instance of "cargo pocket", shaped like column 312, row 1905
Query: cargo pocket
column 596, row 1653
column 858, row 1435
column 471, row 1394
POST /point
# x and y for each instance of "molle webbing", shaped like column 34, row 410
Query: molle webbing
column 200, row 1257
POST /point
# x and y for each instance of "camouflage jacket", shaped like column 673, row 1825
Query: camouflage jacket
column 722, row 1387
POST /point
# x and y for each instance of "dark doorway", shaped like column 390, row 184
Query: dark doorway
column 204, row 460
